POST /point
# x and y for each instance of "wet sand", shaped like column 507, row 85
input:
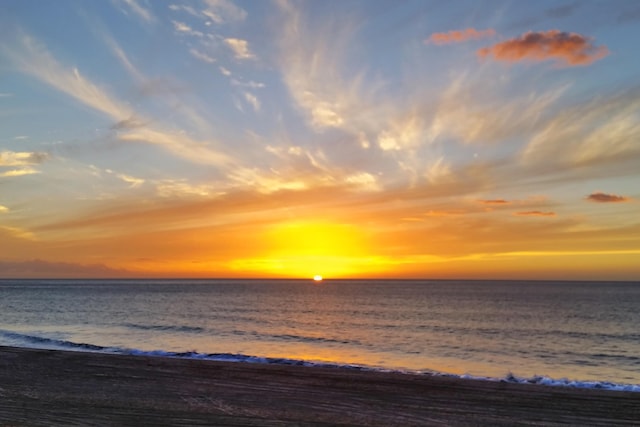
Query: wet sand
column 44, row 388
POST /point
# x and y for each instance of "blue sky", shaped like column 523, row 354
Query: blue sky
column 486, row 139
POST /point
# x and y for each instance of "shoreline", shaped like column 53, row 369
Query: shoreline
column 57, row 387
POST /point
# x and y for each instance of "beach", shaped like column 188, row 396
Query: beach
column 52, row 387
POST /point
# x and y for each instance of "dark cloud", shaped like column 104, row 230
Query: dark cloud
column 571, row 49
column 606, row 198
column 632, row 15
column 551, row 13
column 562, row 11
column 130, row 123
column 38, row 157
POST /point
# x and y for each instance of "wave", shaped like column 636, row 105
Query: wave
column 562, row 382
column 51, row 343
column 48, row 342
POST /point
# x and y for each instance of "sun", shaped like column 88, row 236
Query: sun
column 317, row 278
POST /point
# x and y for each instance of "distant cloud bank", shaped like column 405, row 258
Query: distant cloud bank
column 606, row 198
column 570, row 49
column 40, row 268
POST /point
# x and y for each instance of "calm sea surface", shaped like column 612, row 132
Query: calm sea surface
column 587, row 331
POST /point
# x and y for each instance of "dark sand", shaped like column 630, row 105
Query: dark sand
column 43, row 388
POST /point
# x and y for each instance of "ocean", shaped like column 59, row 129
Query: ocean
column 580, row 334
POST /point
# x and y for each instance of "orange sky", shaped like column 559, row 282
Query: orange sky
column 289, row 139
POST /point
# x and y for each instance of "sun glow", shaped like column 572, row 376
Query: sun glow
column 300, row 249
column 317, row 278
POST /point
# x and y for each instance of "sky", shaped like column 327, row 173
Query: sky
column 413, row 139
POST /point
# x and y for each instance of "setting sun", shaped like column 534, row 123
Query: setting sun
column 317, row 278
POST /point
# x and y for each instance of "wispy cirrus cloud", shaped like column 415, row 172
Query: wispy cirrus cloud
column 183, row 7
column 223, row 11
column 138, row 10
column 201, row 56
column 569, row 49
column 252, row 100
column 33, row 58
column 459, row 36
column 600, row 197
column 597, row 133
column 182, row 28
column 474, row 113
column 323, row 87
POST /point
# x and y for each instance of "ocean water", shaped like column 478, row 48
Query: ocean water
column 583, row 334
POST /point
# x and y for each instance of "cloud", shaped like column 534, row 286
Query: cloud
column 488, row 112
column 314, row 60
column 5, row 95
column 181, row 188
column 130, row 123
column 240, row 48
column 252, row 100
column 535, row 213
column 250, row 84
column 570, row 49
column 40, row 268
column 363, row 180
column 401, row 135
column 598, row 133
column 222, row 11
column 135, row 7
column 32, row 58
column 201, row 56
column 460, row 36
column 494, row 202
column 606, row 198
column 183, row 28
column 179, row 144
column 132, row 181
column 190, row 10
column 18, row 172
column 4, row 209
column 22, row 158
column 562, row 11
